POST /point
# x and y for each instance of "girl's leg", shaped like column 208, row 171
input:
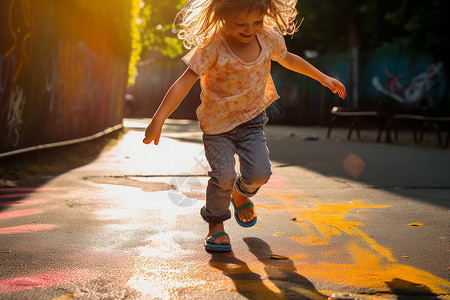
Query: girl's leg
column 219, row 151
column 255, row 167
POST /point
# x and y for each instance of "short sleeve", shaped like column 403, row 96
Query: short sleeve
column 200, row 60
column 279, row 49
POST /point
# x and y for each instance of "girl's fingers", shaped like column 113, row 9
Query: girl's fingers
column 147, row 140
column 341, row 91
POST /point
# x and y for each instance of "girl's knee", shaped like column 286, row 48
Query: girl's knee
column 259, row 178
column 262, row 177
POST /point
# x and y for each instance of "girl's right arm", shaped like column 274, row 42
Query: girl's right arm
column 172, row 99
column 297, row 64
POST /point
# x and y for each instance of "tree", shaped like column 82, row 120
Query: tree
column 152, row 31
column 157, row 27
column 425, row 24
column 346, row 25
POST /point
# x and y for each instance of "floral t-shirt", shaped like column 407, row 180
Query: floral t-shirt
column 234, row 91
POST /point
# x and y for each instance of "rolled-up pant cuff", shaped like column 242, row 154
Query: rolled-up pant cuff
column 214, row 219
column 238, row 188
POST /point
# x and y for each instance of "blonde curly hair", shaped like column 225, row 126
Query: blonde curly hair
column 200, row 20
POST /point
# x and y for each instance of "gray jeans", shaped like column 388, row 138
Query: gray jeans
column 249, row 143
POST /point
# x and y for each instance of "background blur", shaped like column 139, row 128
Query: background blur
column 72, row 68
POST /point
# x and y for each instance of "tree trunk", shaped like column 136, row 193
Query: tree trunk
column 354, row 60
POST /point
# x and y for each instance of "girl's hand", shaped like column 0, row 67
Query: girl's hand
column 335, row 86
column 152, row 133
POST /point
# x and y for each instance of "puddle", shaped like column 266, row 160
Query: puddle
column 146, row 186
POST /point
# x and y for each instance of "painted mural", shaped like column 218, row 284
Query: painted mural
column 391, row 79
column 61, row 76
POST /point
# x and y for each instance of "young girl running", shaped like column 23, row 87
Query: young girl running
column 233, row 44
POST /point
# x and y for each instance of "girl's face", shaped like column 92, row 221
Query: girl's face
column 244, row 26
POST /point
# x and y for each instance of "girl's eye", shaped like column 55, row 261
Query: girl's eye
column 242, row 24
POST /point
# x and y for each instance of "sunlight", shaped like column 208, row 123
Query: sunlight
column 160, row 279
column 168, row 158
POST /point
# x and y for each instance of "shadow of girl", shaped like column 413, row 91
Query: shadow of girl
column 282, row 272
column 247, row 283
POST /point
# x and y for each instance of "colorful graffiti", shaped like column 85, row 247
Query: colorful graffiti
column 14, row 119
column 390, row 78
column 412, row 92
column 57, row 73
column 12, row 64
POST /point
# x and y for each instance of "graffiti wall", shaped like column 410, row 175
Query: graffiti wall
column 391, row 79
column 63, row 69
column 397, row 80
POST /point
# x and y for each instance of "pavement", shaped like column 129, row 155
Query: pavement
column 338, row 219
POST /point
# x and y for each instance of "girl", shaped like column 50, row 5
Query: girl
column 233, row 44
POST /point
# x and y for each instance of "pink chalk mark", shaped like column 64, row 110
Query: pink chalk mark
column 27, row 228
column 278, row 181
column 20, row 213
column 23, row 202
column 44, row 280
column 15, row 195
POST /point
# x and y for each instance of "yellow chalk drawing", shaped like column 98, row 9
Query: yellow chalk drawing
column 417, row 224
column 372, row 266
column 326, row 220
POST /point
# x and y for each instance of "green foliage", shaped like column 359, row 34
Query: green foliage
column 153, row 31
column 157, row 27
column 425, row 24
column 136, row 42
column 327, row 25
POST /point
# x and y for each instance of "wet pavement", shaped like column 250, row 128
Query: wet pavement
column 357, row 220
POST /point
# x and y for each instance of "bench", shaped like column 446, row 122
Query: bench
column 420, row 123
column 354, row 117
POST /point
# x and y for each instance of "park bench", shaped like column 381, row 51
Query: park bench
column 419, row 125
column 388, row 122
column 354, row 117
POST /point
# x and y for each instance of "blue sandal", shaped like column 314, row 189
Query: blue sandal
column 238, row 209
column 210, row 246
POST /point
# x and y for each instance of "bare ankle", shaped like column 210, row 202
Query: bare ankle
column 239, row 198
column 215, row 227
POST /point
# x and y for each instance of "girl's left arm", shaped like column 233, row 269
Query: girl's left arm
column 297, row 64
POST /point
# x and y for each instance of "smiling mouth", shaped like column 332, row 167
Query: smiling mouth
column 246, row 35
